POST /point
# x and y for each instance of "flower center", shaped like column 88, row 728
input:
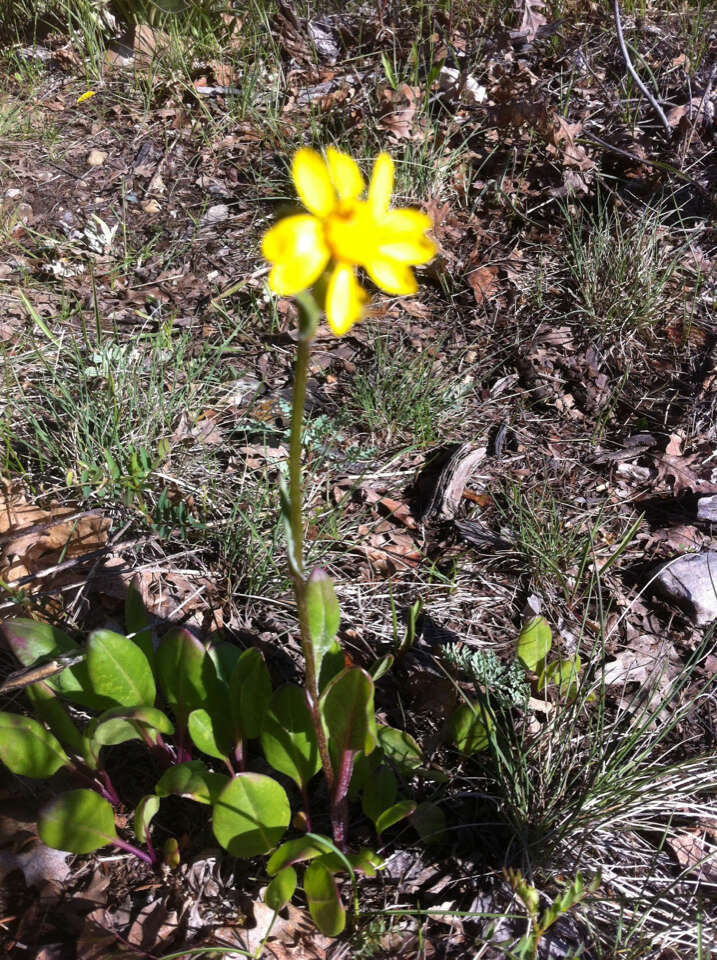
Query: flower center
column 349, row 231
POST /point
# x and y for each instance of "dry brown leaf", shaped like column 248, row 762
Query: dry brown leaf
column 484, row 282
column 399, row 511
column 153, row 926
column 33, row 539
column 695, row 854
column 532, row 18
column 398, row 113
column 682, row 470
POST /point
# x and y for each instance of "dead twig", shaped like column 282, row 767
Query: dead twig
column 633, row 73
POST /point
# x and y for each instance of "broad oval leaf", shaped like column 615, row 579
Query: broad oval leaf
column 400, row 749
column 564, row 674
column 296, row 850
column 379, row 793
column 281, row 889
column 347, row 707
column 323, row 613
column 52, row 711
column 333, row 664
column 191, row 780
column 250, row 693
column 251, row 815
column 325, row 906
column 28, row 749
column 395, row 813
column 79, row 821
column 534, row 643
column 122, row 723
column 179, row 661
column 30, row 640
column 288, row 738
column 136, row 621
column 119, row 670
column 429, row 821
column 201, row 730
column 470, row 729
column 144, row 814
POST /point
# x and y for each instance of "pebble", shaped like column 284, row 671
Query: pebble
column 691, row 582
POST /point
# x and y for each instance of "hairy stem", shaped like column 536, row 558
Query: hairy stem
column 123, row 845
column 308, row 315
column 339, row 805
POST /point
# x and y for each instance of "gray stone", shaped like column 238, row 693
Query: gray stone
column 707, row 509
column 691, row 582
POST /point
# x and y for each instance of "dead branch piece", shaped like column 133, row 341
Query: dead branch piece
column 633, row 73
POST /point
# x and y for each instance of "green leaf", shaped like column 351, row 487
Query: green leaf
column 381, row 666
column 224, row 657
column 121, row 724
column 118, row 670
column 296, row 850
column 325, row 905
column 364, row 769
column 250, row 693
column 54, row 713
column 398, row 811
column 179, row 661
column 323, row 612
column 144, row 814
column 534, row 643
column 30, row 640
column 429, row 821
column 28, row 749
column 281, row 889
column 201, row 730
column 379, row 793
column 564, row 674
column 191, row 780
column 347, row 707
column 365, row 861
column 136, row 621
column 79, row 821
column 251, row 815
column 333, row 664
column 400, row 749
column 470, row 729
column 288, row 739
column 219, row 665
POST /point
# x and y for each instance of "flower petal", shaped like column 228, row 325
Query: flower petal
column 293, row 276
column 408, row 249
column 381, row 186
column 391, row 276
column 345, row 174
column 345, row 299
column 291, row 237
column 297, row 249
column 406, row 220
column 313, row 183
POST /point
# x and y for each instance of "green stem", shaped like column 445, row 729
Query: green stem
column 308, row 317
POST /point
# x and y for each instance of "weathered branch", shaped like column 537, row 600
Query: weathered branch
column 633, row 73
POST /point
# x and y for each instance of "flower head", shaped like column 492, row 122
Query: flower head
column 345, row 232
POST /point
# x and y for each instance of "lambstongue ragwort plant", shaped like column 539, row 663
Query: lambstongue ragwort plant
column 178, row 695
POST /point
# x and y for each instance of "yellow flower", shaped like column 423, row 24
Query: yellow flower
column 342, row 230
column 85, row 96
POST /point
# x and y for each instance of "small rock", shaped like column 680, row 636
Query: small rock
column 707, row 509
column 96, row 158
column 691, row 582
column 215, row 214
